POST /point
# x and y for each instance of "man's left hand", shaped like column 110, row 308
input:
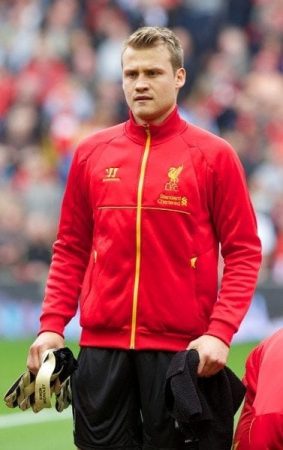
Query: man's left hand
column 213, row 354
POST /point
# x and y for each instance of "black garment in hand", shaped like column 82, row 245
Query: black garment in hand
column 203, row 408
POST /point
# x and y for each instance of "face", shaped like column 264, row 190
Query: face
column 150, row 84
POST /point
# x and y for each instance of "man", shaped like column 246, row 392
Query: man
column 260, row 426
column 147, row 204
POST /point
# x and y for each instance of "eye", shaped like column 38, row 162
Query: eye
column 130, row 74
column 152, row 73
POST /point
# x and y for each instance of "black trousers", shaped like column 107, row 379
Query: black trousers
column 119, row 402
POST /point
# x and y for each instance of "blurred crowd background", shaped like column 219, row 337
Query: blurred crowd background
column 60, row 79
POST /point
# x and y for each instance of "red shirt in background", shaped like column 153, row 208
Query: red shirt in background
column 260, row 426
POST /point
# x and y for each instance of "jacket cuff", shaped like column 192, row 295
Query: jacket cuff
column 53, row 323
column 221, row 330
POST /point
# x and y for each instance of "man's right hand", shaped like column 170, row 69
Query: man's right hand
column 45, row 341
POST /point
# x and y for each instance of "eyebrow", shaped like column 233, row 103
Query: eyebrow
column 146, row 69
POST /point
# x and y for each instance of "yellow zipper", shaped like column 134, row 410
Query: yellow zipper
column 138, row 241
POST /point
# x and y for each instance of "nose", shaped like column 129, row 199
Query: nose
column 141, row 84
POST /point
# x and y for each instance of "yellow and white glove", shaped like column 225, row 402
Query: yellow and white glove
column 53, row 377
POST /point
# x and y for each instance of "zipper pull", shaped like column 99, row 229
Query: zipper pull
column 193, row 262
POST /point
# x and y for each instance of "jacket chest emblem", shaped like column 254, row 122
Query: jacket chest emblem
column 170, row 195
column 173, row 175
column 111, row 174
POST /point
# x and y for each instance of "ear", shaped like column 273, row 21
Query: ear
column 180, row 77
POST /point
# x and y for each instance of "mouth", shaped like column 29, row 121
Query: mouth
column 142, row 98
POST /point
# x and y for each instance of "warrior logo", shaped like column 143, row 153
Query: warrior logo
column 111, row 174
column 173, row 175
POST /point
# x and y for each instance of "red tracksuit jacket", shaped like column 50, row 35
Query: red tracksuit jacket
column 138, row 242
column 260, row 426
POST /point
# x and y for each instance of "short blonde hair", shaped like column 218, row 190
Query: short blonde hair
column 146, row 37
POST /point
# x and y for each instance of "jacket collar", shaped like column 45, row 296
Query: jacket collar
column 171, row 126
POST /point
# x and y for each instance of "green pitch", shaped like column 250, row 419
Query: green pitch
column 48, row 429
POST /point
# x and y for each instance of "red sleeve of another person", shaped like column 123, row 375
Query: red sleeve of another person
column 260, row 426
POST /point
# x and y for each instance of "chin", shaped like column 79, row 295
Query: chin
column 145, row 117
